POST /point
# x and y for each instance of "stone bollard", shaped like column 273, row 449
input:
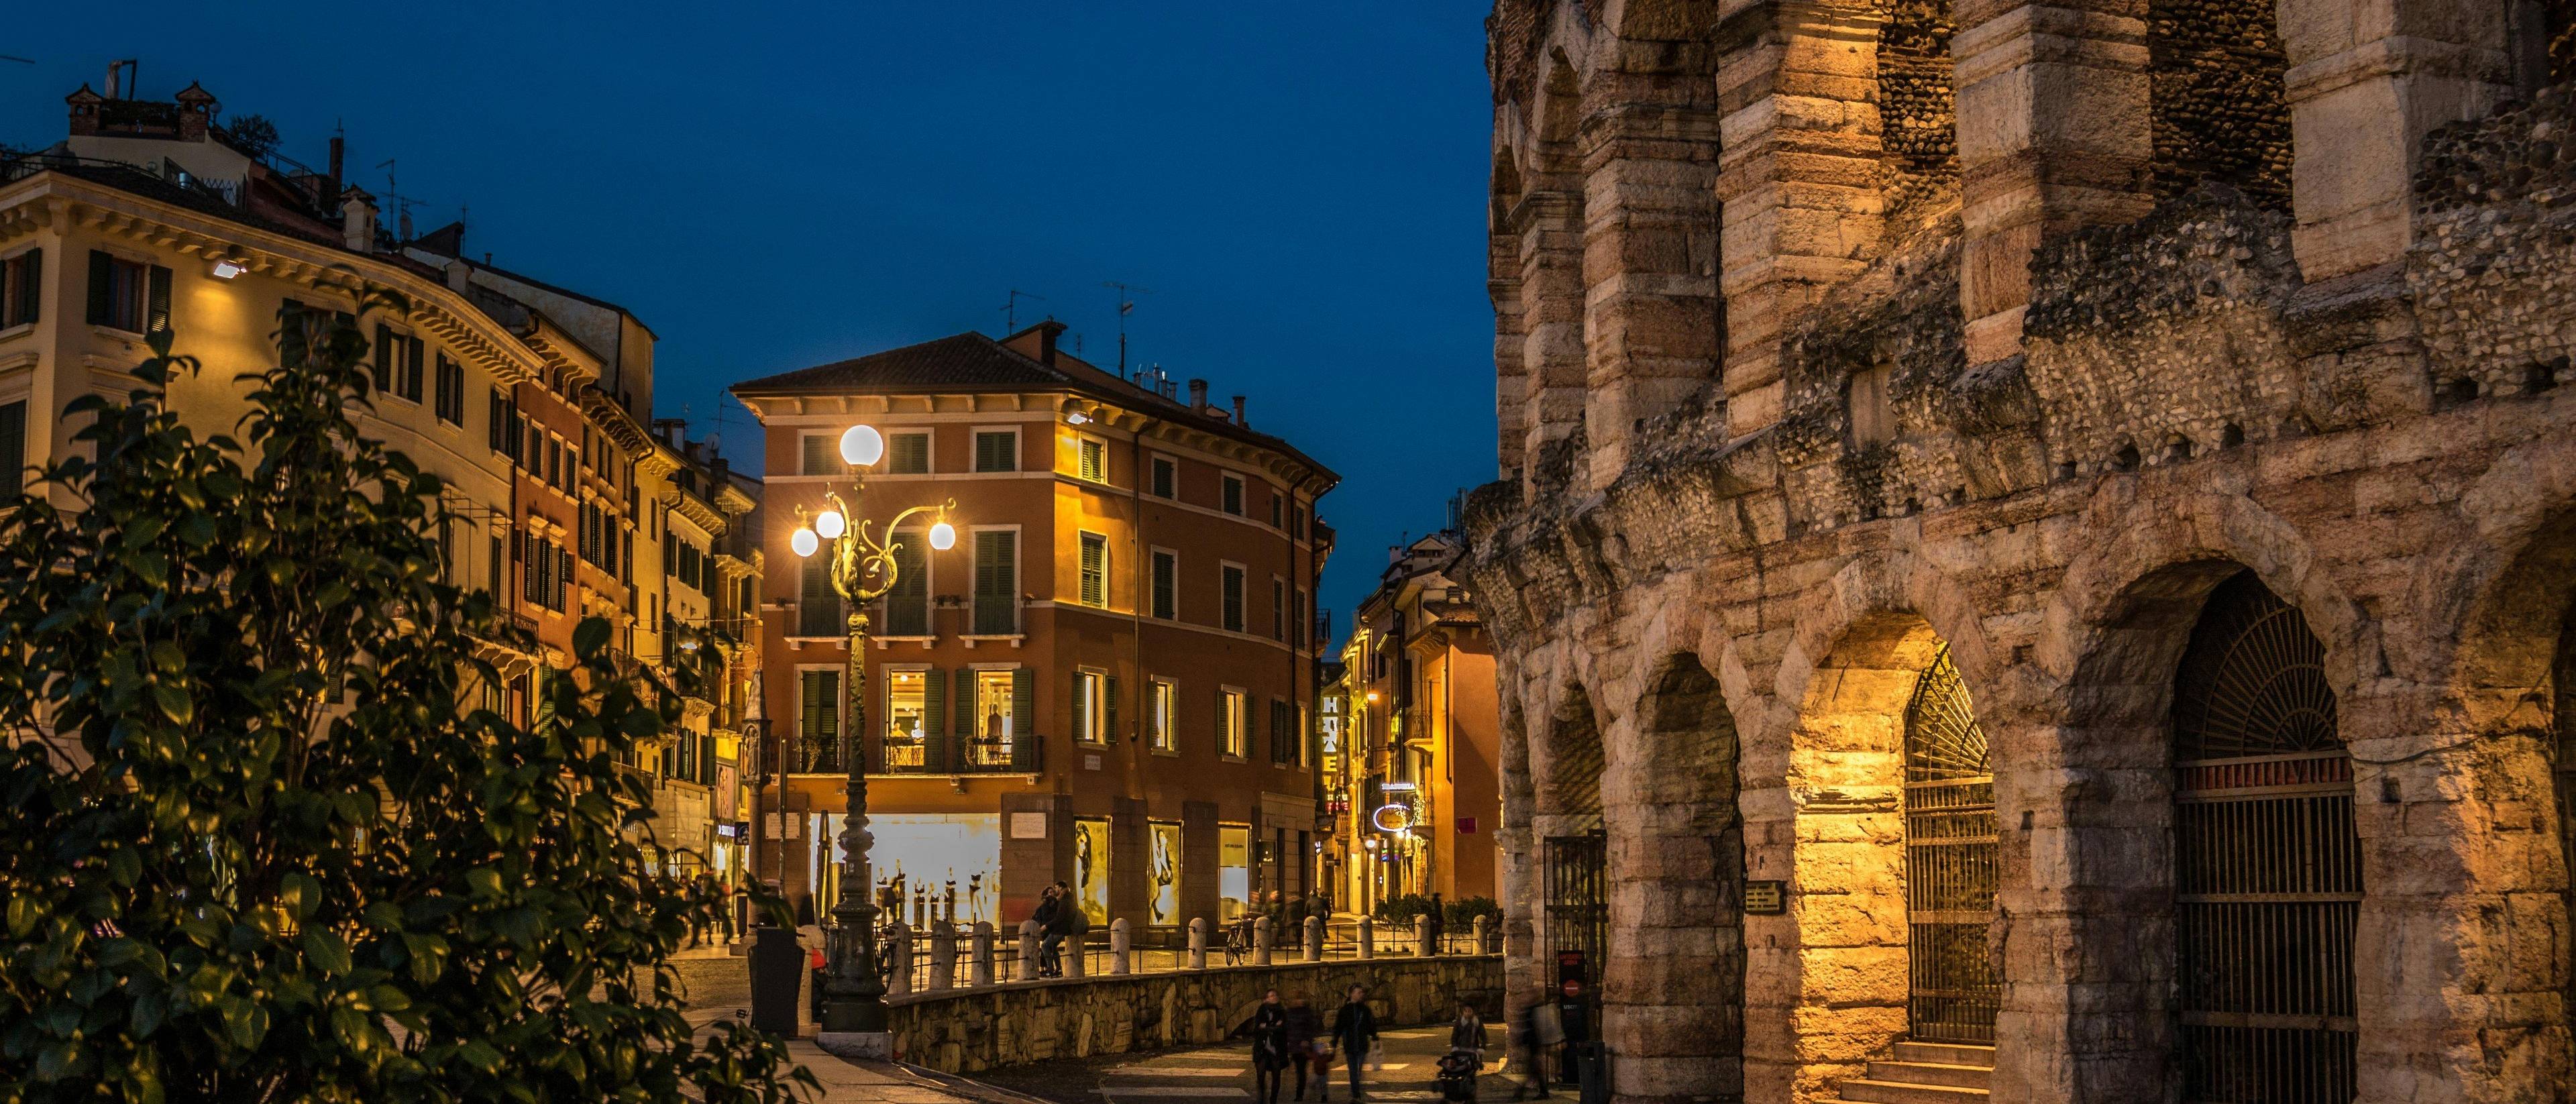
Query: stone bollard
column 1314, row 939
column 1261, row 941
column 943, row 956
column 1028, row 949
column 1076, row 963
column 1479, row 929
column 1198, row 943
column 1422, row 945
column 979, row 970
column 899, row 981
column 1118, row 946
column 1368, row 937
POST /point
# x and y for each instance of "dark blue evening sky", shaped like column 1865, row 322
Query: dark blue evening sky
column 1301, row 185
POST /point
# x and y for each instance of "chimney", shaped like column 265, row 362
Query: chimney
column 196, row 112
column 459, row 275
column 1238, row 411
column 1047, row 332
column 1198, row 396
column 84, row 104
column 358, row 220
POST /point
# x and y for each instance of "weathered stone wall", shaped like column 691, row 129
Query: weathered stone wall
column 2364, row 408
column 968, row 1030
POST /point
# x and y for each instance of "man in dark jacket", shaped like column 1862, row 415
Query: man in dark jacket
column 1355, row 1032
column 1067, row 923
column 1050, row 906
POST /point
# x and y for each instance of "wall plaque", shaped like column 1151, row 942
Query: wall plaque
column 1766, row 898
column 1028, row 825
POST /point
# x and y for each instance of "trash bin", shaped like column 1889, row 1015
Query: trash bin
column 1591, row 1073
column 777, row 972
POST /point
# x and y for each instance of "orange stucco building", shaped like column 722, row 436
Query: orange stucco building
column 1108, row 681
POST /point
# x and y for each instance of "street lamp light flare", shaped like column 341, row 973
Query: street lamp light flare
column 943, row 536
column 829, row 524
column 862, row 445
column 804, row 542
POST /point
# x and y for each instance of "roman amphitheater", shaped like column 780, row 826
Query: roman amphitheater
column 2035, row 544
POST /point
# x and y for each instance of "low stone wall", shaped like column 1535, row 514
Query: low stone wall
column 962, row 1031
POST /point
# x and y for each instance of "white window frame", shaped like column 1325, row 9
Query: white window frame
column 840, row 704
column 1091, row 711
column 1082, row 441
column 929, row 450
column 1105, row 572
column 975, row 449
column 1242, row 600
column 1237, row 731
column 1019, row 555
column 885, row 703
column 1163, row 711
column 1163, row 458
column 1242, row 495
column 831, row 453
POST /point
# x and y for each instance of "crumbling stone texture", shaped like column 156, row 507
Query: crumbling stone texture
column 2218, row 103
column 1917, row 129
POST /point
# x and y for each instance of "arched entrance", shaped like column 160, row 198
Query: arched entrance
column 2267, row 863
column 1574, row 879
column 1949, row 863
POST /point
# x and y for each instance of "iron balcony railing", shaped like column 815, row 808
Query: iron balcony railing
column 961, row 755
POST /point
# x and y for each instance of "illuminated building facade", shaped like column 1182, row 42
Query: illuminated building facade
column 1109, row 681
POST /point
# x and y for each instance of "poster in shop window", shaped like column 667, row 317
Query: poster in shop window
column 1165, row 905
column 1091, row 869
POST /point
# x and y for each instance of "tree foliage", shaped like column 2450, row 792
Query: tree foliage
column 269, row 837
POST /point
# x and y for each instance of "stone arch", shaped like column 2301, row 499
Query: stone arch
column 2216, row 100
column 1825, row 811
column 1673, row 983
column 2090, row 955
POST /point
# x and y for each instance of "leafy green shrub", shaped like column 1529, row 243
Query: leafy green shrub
column 266, row 842
column 1461, row 914
column 1401, row 910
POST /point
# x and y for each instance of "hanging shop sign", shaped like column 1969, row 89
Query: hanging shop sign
column 1392, row 818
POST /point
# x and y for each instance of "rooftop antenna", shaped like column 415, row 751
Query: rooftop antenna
column 1011, row 310
column 1126, row 306
column 16, row 58
column 393, row 195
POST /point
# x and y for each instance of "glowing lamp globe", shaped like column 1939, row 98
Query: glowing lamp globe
column 943, row 536
column 862, row 445
column 829, row 524
column 804, row 542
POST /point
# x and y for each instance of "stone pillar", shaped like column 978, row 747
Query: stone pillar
column 1118, row 946
column 2054, row 134
column 1368, row 938
column 899, row 939
column 1074, row 964
column 1482, row 946
column 979, row 972
column 1650, row 252
column 1549, row 219
column 1198, row 942
column 2368, row 80
column 1261, row 941
column 1028, row 949
column 1511, row 376
column 1314, row 939
column 1422, row 945
column 1797, row 182
column 943, row 956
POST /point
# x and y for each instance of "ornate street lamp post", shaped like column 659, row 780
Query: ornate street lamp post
column 863, row 570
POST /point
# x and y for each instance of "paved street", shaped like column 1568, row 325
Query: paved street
column 1224, row 1073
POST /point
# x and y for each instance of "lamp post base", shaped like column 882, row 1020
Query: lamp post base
column 872, row 1046
column 848, row 1016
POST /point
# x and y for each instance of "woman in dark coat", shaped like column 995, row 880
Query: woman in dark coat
column 1268, row 1028
column 1306, row 1047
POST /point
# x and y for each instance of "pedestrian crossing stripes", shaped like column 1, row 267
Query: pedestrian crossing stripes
column 1230, row 1069
column 1115, row 1093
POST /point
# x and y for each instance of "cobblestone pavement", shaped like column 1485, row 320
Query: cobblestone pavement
column 1221, row 1074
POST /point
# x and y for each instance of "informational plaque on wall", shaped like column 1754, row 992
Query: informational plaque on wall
column 1028, row 825
column 1766, row 898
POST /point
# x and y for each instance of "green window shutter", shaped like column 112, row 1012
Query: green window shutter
column 102, row 285
column 1095, row 570
column 1024, row 701
column 815, row 452
column 969, row 718
column 31, row 284
column 996, row 585
column 384, row 366
column 412, row 355
column 908, row 454
column 1110, row 708
column 994, row 452
column 156, row 303
column 1166, row 585
column 13, row 448
column 934, row 723
column 1220, row 722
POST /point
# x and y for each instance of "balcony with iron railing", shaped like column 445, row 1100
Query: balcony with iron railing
column 961, row 755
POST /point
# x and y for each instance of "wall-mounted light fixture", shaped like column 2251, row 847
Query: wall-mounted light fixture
column 1077, row 418
column 226, row 268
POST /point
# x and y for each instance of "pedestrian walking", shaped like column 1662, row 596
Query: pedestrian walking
column 1307, row 1047
column 1049, row 905
column 1267, row 1027
column 1439, row 914
column 1467, row 1032
column 1539, row 1031
column 1355, row 1034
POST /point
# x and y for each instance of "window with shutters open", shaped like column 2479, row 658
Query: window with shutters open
column 1095, row 570
column 1278, row 608
column 908, row 453
column 997, row 583
column 128, row 295
column 1230, row 578
column 1233, row 738
column 22, row 285
column 13, row 447
column 997, row 450
column 1167, row 584
column 1162, row 716
column 907, row 603
column 1095, row 459
column 1091, row 707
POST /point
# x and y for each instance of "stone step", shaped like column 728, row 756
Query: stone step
column 1866, row 1091
column 1951, row 1054
column 1931, row 1073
